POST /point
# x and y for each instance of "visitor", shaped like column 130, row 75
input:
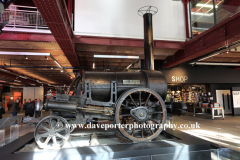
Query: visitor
column 38, row 108
column 2, row 111
column 29, row 108
column 15, row 107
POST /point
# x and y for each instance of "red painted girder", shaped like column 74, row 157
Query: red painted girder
column 55, row 14
column 16, row 36
column 224, row 33
column 236, row 68
column 126, row 42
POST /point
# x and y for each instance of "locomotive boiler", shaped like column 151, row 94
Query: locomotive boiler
column 120, row 97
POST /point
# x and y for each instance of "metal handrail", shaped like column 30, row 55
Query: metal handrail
column 23, row 17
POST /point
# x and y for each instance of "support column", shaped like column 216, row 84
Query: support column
column 185, row 3
column 148, row 41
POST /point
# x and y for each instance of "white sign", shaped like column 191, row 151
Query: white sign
column 236, row 99
column 179, row 78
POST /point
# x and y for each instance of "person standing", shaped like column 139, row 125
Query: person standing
column 2, row 111
column 38, row 108
column 15, row 108
column 29, row 108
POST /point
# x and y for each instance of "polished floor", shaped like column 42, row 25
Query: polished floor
column 224, row 133
column 218, row 131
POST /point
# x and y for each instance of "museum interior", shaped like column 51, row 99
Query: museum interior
column 120, row 80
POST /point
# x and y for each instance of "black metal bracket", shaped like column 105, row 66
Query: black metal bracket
column 89, row 100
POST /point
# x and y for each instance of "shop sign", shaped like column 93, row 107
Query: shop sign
column 179, row 78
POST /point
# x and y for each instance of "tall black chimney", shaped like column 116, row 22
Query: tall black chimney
column 147, row 12
column 148, row 42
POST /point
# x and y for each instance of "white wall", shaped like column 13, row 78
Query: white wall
column 33, row 93
column 119, row 18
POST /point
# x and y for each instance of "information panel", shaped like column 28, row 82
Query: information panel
column 236, row 99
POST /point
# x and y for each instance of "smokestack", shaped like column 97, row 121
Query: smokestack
column 148, row 41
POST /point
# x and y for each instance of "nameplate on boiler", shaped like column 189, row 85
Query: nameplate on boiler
column 131, row 81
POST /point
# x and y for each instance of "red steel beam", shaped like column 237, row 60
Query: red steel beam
column 236, row 68
column 16, row 36
column 70, row 9
column 55, row 14
column 127, row 42
column 225, row 33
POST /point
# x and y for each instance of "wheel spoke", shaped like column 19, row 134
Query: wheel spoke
column 142, row 132
column 154, row 121
column 43, row 127
column 150, row 129
column 124, row 115
column 154, row 112
column 126, row 106
column 47, row 140
column 140, row 98
column 55, row 141
column 133, row 129
column 147, row 99
column 133, row 101
column 60, row 129
column 41, row 135
column 50, row 123
column 131, row 121
column 60, row 136
column 152, row 104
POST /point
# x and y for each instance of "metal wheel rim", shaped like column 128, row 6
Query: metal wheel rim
column 117, row 115
column 52, row 136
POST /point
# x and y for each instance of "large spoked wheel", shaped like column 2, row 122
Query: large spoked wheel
column 52, row 132
column 142, row 109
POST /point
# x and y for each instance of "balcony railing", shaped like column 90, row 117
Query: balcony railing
column 24, row 18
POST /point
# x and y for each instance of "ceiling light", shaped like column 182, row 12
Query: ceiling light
column 24, row 53
column 46, row 57
column 57, row 63
column 51, row 68
column 17, row 81
column 61, row 70
column 23, row 77
column 215, row 64
column 113, row 56
column 206, row 5
column 26, row 57
column 93, row 66
column 202, row 14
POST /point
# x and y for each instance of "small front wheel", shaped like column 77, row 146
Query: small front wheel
column 52, row 132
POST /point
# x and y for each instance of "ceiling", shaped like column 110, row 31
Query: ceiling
column 42, row 64
column 86, row 54
column 39, row 67
column 225, row 56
